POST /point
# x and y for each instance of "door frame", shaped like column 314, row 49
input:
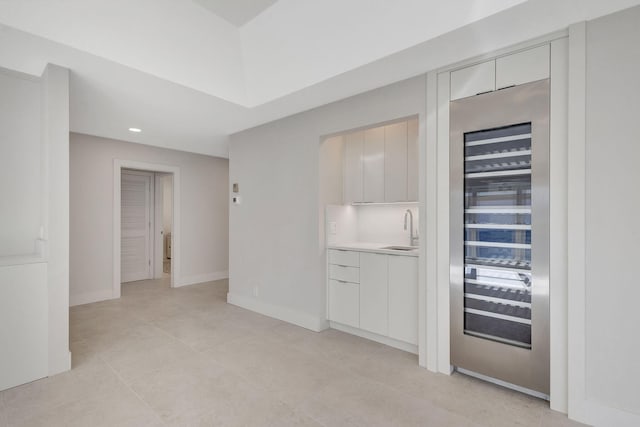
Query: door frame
column 151, row 208
column 118, row 165
column 158, row 244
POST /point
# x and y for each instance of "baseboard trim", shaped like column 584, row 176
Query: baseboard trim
column 201, row 278
column 598, row 414
column 400, row 345
column 89, row 297
column 285, row 314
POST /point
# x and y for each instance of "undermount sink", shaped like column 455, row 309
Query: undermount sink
column 400, row 248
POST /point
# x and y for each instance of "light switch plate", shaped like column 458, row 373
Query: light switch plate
column 333, row 227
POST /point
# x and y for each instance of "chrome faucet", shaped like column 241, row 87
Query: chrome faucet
column 413, row 239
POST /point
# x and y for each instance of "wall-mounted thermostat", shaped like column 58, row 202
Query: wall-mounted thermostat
column 236, row 200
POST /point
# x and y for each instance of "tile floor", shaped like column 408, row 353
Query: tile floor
column 183, row 357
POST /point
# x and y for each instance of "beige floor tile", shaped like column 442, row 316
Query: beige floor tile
column 458, row 393
column 236, row 402
column 146, row 357
column 118, row 409
column 556, row 419
column 293, row 419
column 3, row 412
column 288, row 334
column 136, row 336
column 181, row 390
column 359, row 401
column 253, row 321
column 183, row 357
column 337, row 347
column 39, row 397
column 96, row 378
column 199, row 334
column 289, row 375
column 153, row 311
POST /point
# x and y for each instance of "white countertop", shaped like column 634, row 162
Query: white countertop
column 373, row 247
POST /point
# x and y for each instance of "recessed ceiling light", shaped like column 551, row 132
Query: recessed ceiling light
column 136, row 130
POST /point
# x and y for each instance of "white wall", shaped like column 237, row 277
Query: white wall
column 55, row 98
column 275, row 243
column 331, row 172
column 20, row 172
column 35, row 283
column 612, row 206
column 204, row 213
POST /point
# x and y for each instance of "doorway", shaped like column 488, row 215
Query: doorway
column 164, row 223
column 137, row 249
column 146, row 223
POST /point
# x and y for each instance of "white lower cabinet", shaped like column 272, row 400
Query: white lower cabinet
column 344, row 303
column 385, row 299
column 373, row 293
column 403, row 298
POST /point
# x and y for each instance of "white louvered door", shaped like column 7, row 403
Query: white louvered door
column 136, row 227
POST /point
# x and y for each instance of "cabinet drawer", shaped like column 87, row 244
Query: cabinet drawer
column 345, row 258
column 346, row 274
column 344, row 304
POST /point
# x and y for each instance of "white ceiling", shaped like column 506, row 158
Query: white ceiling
column 189, row 79
column 236, row 12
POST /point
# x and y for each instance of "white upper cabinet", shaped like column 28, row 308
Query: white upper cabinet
column 373, row 165
column 473, row 80
column 403, row 302
column 523, row 67
column 353, row 150
column 381, row 164
column 395, row 162
column 413, row 159
column 510, row 70
column 373, row 293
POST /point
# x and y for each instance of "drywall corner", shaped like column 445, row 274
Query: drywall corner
column 55, row 133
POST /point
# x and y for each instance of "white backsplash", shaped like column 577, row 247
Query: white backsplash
column 370, row 223
column 385, row 223
column 346, row 224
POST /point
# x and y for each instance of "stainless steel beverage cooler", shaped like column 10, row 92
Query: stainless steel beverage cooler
column 500, row 235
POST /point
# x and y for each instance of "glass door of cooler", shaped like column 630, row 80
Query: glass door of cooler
column 499, row 235
column 497, row 240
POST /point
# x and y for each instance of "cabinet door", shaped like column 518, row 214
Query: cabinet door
column 523, row 67
column 413, row 159
column 373, row 293
column 353, row 146
column 343, row 303
column 373, row 164
column 473, row 80
column 395, row 162
column 403, row 298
